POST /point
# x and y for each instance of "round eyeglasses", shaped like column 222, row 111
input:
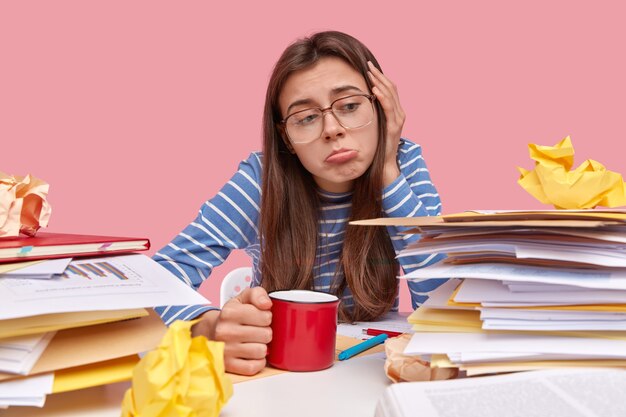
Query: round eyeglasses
column 352, row 112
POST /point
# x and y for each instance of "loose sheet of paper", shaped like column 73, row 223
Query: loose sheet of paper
column 19, row 354
column 110, row 283
column 40, row 270
column 447, row 343
column 591, row 278
column 29, row 391
column 483, row 290
column 392, row 321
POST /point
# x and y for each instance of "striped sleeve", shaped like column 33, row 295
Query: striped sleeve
column 412, row 194
column 225, row 222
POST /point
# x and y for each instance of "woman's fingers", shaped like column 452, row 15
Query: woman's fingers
column 244, row 327
column 256, row 296
column 245, row 314
column 382, row 93
column 387, row 93
column 387, row 87
column 250, row 351
column 235, row 332
column 243, row 366
column 394, row 115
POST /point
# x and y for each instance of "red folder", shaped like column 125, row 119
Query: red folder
column 64, row 245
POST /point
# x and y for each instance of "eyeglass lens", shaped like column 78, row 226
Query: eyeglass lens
column 351, row 112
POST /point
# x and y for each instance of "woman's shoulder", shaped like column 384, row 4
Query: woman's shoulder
column 408, row 150
column 255, row 159
column 253, row 162
column 250, row 170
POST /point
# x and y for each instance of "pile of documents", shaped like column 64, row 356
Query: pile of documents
column 530, row 290
column 65, row 324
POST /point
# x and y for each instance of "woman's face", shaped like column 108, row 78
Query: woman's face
column 339, row 155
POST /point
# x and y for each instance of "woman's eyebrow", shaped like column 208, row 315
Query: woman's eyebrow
column 335, row 91
column 300, row 102
column 344, row 88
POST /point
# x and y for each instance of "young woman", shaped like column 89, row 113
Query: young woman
column 332, row 153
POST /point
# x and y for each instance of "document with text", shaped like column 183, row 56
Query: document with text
column 588, row 392
column 104, row 283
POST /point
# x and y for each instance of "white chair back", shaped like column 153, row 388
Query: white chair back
column 235, row 282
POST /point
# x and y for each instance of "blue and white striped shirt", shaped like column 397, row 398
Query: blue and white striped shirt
column 230, row 220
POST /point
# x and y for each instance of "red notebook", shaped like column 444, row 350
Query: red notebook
column 62, row 245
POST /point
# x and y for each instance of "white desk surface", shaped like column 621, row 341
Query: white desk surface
column 348, row 388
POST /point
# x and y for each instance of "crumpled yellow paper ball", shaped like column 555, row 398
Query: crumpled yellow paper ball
column 24, row 206
column 588, row 186
column 182, row 377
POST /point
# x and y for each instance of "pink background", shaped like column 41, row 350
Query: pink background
column 136, row 112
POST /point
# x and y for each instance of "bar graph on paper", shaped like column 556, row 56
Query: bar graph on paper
column 94, row 270
column 99, row 283
column 82, row 276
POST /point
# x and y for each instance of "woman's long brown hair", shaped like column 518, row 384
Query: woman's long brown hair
column 290, row 201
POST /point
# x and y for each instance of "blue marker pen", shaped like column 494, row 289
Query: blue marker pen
column 362, row 347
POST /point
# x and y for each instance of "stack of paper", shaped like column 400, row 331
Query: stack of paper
column 74, row 327
column 534, row 289
column 19, row 354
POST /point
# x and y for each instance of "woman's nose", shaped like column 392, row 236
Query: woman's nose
column 332, row 127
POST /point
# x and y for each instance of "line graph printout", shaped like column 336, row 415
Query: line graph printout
column 111, row 283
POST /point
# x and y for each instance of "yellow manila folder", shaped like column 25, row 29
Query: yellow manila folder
column 103, row 342
column 94, row 374
column 419, row 223
column 16, row 266
column 506, row 218
column 52, row 322
column 618, row 216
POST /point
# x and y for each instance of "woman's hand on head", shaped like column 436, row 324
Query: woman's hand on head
column 243, row 325
column 386, row 93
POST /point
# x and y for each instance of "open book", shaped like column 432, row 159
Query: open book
column 556, row 392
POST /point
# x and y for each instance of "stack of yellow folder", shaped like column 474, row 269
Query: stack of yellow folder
column 83, row 328
column 531, row 289
column 98, row 348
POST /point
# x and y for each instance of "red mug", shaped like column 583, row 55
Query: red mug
column 304, row 326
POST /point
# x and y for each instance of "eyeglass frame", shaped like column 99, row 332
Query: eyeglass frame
column 370, row 97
